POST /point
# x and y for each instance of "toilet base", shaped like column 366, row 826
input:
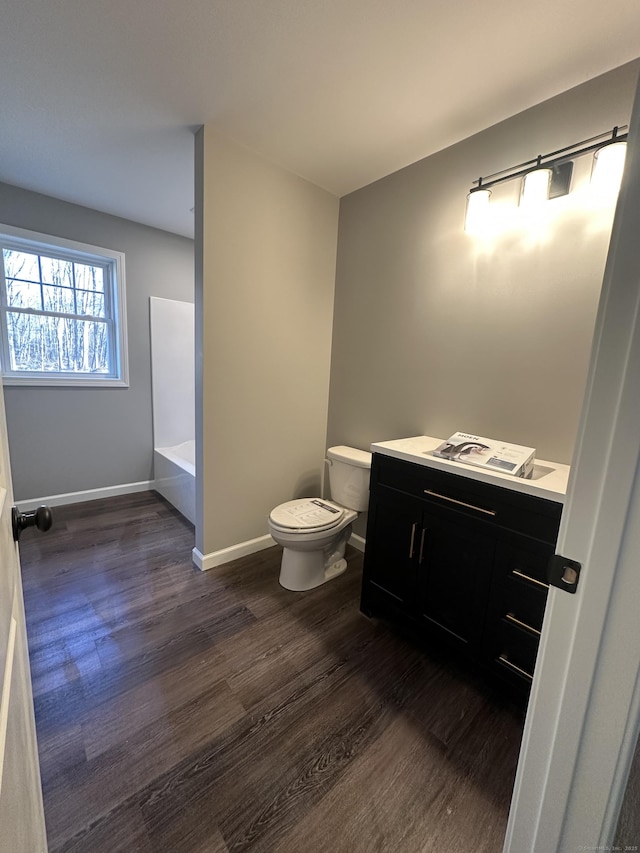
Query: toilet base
column 302, row 570
column 335, row 570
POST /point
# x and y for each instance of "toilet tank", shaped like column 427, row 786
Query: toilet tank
column 349, row 470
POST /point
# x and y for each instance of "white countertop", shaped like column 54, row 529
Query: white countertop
column 549, row 479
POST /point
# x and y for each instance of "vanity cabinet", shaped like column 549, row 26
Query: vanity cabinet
column 461, row 562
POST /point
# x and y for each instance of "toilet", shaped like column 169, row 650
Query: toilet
column 313, row 531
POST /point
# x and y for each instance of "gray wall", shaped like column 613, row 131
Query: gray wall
column 435, row 331
column 71, row 439
column 266, row 258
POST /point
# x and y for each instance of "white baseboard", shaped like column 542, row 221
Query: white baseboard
column 88, row 495
column 243, row 549
column 358, row 542
column 234, row 552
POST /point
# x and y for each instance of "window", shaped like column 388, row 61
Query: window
column 62, row 312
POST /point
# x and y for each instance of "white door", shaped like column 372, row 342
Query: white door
column 584, row 712
column 22, row 828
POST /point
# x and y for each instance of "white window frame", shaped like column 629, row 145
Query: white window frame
column 115, row 302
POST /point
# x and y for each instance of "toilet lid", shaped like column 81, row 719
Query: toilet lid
column 308, row 514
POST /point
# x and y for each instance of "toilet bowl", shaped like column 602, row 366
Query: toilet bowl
column 314, row 531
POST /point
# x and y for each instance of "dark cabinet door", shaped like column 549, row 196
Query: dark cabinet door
column 393, row 538
column 454, row 576
column 433, row 565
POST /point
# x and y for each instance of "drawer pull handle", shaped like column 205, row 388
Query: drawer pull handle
column 413, row 536
column 460, row 503
column 505, row 660
column 511, row 618
column 530, row 579
column 424, row 530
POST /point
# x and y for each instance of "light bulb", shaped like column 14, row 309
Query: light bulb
column 608, row 166
column 477, row 210
column 535, row 188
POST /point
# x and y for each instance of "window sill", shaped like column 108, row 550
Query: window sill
column 62, row 382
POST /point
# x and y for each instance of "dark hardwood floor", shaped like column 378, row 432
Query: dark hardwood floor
column 188, row 712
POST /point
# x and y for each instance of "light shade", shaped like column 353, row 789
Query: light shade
column 535, row 188
column 608, row 165
column 477, row 211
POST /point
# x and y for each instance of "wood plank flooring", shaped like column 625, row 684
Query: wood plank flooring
column 188, row 712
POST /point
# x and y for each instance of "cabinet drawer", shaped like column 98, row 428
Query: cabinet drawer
column 526, row 562
column 514, row 651
column 491, row 504
column 523, row 603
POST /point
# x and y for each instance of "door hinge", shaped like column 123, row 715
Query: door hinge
column 564, row 573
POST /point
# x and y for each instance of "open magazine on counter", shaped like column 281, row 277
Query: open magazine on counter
column 489, row 453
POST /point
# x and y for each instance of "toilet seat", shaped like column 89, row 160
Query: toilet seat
column 312, row 515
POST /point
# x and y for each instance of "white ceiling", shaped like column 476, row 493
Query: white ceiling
column 99, row 99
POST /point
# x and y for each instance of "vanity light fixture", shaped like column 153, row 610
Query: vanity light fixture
column 549, row 175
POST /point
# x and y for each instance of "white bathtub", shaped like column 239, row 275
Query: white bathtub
column 175, row 476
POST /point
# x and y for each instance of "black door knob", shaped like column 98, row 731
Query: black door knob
column 40, row 518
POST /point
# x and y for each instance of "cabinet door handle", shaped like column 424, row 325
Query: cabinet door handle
column 413, row 536
column 530, row 579
column 424, row 530
column 511, row 618
column 505, row 660
column 460, row 503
